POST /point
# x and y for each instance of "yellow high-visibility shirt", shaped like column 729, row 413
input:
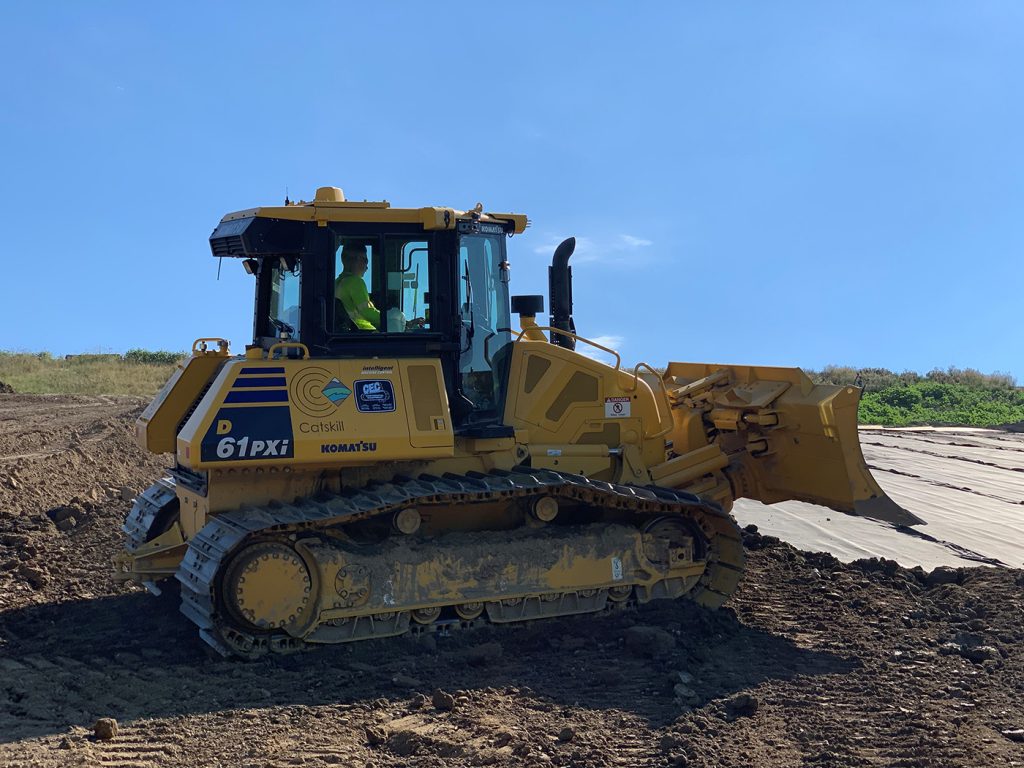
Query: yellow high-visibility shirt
column 350, row 289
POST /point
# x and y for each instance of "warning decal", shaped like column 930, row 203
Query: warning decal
column 616, row 407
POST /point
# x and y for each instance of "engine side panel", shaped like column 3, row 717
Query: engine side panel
column 562, row 398
column 325, row 413
column 157, row 428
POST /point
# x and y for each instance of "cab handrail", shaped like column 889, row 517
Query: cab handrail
column 286, row 344
column 200, row 346
column 618, row 359
column 664, row 391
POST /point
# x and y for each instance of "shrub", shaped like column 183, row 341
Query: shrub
column 872, row 379
column 149, row 357
column 961, row 396
column 972, row 378
column 932, row 402
column 877, row 379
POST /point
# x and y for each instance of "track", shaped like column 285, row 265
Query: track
column 210, row 550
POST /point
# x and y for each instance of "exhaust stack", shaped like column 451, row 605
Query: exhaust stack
column 560, row 291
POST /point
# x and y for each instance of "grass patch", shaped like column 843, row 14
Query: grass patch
column 42, row 373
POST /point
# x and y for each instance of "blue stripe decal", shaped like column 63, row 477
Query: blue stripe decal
column 267, row 396
column 260, row 370
column 263, row 381
column 241, row 406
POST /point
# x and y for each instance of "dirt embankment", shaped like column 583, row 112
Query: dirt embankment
column 815, row 662
column 69, row 466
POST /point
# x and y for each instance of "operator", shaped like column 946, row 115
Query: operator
column 350, row 288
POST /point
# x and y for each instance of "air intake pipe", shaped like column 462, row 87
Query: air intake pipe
column 560, row 293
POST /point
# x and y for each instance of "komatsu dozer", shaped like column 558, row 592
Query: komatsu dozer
column 390, row 453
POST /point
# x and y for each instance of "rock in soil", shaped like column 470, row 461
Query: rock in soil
column 680, row 676
column 650, row 642
column 979, row 653
column 443, row 701
column 61, row 513
column 66, row 524
column 405, row 681
column 481, row 655
column 105, row 728
column 501, row 739
column 685, row 694
column 942, row 575
column 744, row 705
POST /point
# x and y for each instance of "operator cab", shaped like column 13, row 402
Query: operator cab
column 364, row 280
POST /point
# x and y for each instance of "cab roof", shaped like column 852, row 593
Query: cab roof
column 329, row 205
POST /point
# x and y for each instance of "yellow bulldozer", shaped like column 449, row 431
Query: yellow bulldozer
column 390, row 453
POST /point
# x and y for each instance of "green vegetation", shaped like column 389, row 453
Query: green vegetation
column 149, row 357
column 139, row 372
column 953, row 396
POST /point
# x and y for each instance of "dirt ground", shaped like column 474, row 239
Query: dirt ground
column 814, row 663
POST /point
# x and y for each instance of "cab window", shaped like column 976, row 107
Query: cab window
column 285, row 280
column 484, row 310
column 408, row 285
column 354, row 308
column 381, row 285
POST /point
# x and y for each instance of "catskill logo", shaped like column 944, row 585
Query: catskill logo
column 308, row 427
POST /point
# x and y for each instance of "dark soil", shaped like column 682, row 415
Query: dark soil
column 814, row 662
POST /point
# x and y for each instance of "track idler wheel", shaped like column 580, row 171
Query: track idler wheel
column 620, row 594
column 268, row 587
column 469, row 611
column 426, row 615
column 684, row 542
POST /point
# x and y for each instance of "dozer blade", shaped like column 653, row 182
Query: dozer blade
column 784, row 436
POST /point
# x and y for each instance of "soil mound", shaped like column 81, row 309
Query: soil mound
column 64, row 460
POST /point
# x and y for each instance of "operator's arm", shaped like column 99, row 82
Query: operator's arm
column 366, row 308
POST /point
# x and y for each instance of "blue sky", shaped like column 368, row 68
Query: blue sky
column 783, row 183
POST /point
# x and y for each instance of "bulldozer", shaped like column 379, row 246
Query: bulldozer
column 390, row 454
